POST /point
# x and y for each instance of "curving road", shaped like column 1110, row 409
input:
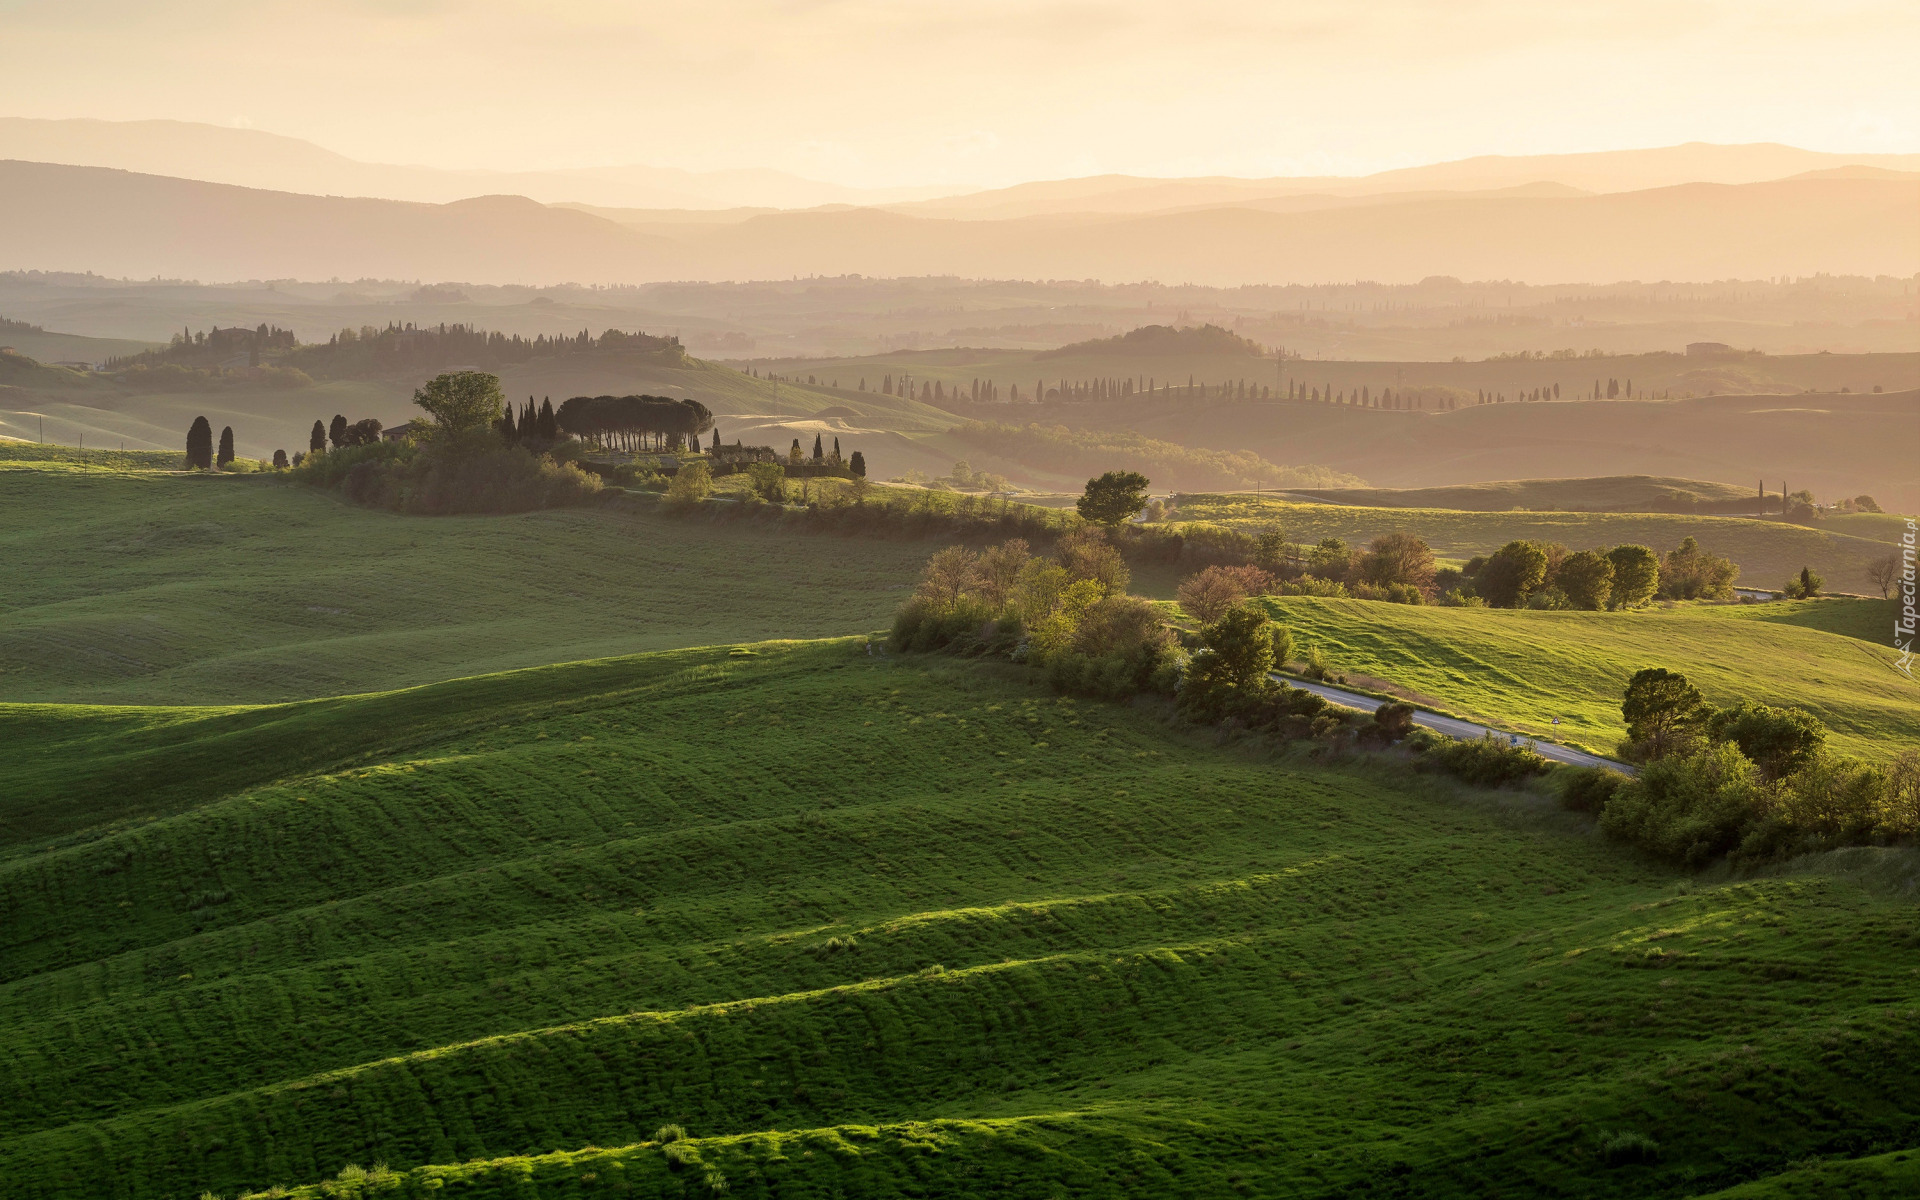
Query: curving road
column 1455, row 727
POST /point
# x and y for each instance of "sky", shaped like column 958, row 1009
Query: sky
column 982, row 92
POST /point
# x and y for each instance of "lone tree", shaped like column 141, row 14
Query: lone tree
column 200, row 444
column 337, row 430
column 858, row 465
column 279, row 459
column 1114, row 497
column 317, row 441
column 463, row 402
column 817, row 453
column 226, row 446
column 1884, row 572
column 1663, row 711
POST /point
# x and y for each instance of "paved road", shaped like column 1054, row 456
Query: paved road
column 1454, row 727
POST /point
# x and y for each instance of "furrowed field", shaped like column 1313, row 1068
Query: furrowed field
column 870, row 926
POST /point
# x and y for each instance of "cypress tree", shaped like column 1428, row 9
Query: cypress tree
column 818, row 453
column 836, row 449
column 337, row 431
column 226, row 446
column 547, row 430
column 200, row 444
column 317, row 440
column 858, row 464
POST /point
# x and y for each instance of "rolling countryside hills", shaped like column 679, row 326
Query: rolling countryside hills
column 962, row 937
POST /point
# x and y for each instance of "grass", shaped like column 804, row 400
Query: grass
column 134, row 587
column 1619, row 493
column 1520, row 669
column 872, row 926
column 1768, row 552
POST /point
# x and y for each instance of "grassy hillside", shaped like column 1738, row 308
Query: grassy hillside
column 125, row 586
column 1768, row 551
column 1628, row 493
column 882, row 927
column 1520, row 669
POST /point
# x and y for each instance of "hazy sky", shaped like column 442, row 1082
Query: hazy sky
column 980, row 91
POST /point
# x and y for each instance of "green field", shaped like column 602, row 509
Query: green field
column 871, row 927
column 133, row 586
column 1620, row 493
column 1768, row 552
column 1518, row 669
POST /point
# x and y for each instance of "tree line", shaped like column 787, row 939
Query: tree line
column 385, row 350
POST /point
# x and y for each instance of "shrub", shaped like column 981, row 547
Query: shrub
column 1398, row 558
column 1490, row 761
column 1394, row 720
column 1208, row 594
column 1587, row 789
column 1689, row 809
column 1690, row 573
column 1626, row 1146
column 453, row 475
column 1231, row 673
column 767, row 481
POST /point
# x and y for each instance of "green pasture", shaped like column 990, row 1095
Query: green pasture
column 880, row 926
column 1519, row 669
column 168, row 588
column 1768, row 552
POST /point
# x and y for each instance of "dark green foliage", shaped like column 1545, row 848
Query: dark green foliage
column 1586, row 578
column 1690, row 809
column 450, row 477
column 200, row 444
column 1663, row 711
column 226, row 446
column 818, row 453
column 1490, row 761
column 1780, row 741
column 1587, row 789
column 630, row 422
column 1636, row 576
column 1394, row 720
column 1113, row 497
column 1511, row 574
column 1628, row 1146
column 317, row 440
column 1805, row 586
column 280, row 459
column 337, row 430
column 858, row 464
column 545, row 427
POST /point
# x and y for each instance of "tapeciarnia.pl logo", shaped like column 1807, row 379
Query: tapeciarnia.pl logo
column 1903, row 621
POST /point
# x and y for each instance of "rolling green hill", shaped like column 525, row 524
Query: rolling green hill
column 869, row 927
column 1629, row 493
column 132, row 585
column 1768, row 552
column 1519, row 669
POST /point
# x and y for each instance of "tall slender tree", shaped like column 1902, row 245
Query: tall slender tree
column 200, row 444
column 317, row 440
column 818, row 453
column 337, row 430
column 226, row 446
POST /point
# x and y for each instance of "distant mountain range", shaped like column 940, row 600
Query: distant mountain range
column 257, row 159
column 127, row 225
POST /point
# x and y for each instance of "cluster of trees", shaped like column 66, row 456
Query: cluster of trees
column 213, row 348
column 1068, row 612
column 1530, row 574
column 1754, row 781
column 635, row 422
column 343, row 433
column 200, row 449
column 374, row 350
column 531, row 425
column 1401, row 399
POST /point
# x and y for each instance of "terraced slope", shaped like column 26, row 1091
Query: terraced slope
column 870, row 927
column 1520, row 669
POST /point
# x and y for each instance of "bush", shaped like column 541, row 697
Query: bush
column 1207, row 595
column 478, row 474
column 1587, row 789
column 1394, row 720
column 1491, row 761
column 1626, row 1146
column 1690, row 809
